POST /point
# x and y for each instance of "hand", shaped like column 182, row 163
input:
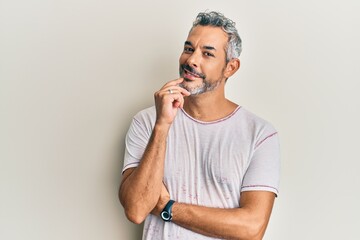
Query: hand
column 163, row 200
column 167, row 101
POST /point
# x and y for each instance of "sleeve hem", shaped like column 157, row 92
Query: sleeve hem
column 129, row 165
column 260, row 188
column 259, row 143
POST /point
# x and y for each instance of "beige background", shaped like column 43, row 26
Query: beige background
column 74, row 72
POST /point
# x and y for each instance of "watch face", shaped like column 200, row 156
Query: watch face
column 165, row 216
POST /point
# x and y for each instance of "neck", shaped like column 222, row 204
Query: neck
column 209, row 106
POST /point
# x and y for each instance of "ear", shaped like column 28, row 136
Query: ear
column 231, row 67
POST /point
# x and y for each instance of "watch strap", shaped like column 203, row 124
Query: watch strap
column 166, row 213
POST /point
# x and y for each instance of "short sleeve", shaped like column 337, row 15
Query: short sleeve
column 136, row 141
column 263, row 172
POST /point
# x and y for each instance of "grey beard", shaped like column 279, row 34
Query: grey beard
column 204, row 87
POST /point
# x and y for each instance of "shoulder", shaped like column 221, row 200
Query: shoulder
column 145, row 119
column 257, row 125
column 254, row 119
column 146, row 115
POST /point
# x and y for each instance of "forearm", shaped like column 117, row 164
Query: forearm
column 249, row 221
column 140, row 191
column 234, row 223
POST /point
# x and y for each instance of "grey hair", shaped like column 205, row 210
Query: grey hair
column 217, row 19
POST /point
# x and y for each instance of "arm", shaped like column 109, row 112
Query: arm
column 249, row 221
column 140, row 187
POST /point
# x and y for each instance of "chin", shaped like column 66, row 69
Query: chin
column 194, row 90
column 204, row 87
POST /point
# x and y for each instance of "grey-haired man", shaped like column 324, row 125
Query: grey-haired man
column 198, row 166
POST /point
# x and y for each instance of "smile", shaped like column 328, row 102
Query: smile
column 188, row 73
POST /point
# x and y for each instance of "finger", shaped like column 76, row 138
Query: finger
column 176, row 89
column 170, row 95
column 178, row 101
column 173, row 82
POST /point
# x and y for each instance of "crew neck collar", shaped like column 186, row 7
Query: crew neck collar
column 214, row 121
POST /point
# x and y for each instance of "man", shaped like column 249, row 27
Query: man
column 198, row 166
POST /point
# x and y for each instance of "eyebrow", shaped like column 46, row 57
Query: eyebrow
column 209, row 48
column 206, row 46
column 188, row 43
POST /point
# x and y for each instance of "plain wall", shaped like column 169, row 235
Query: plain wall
column 73, row 73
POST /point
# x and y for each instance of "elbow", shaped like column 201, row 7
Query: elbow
column 136, row 209
column 134, row 218
column 255, row 234
column 255, row 230
column 250, row 228
column 132, row 212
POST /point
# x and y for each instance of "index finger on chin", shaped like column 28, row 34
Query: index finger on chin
column 173, row 82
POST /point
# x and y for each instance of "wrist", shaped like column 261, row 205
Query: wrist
column 161, row 128
column 166, row 213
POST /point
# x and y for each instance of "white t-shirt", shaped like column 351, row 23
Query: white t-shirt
column 208, row 163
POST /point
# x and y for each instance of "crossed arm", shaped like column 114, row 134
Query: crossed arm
column 246, row 222
column 249, row 221
column 142, row 192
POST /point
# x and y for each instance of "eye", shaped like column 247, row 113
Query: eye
column 208, row 54
column 188, row 50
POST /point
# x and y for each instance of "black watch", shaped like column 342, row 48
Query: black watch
column 166, row 214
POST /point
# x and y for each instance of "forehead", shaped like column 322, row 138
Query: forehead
column 208, row 35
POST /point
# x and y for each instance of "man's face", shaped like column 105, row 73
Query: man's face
column 202, row 61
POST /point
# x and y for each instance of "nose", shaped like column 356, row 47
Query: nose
column 194, row 59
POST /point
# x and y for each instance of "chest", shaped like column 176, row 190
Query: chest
column 206, row 162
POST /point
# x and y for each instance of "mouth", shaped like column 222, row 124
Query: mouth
column 189, row 75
